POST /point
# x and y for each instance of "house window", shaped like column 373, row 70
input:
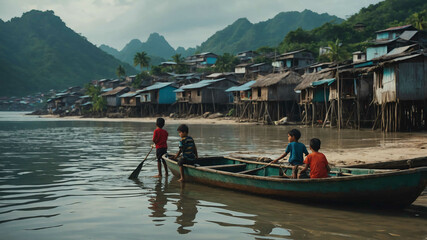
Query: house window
column 259, row 92
column 198, row 92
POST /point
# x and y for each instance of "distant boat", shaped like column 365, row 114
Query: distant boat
column 369, row 187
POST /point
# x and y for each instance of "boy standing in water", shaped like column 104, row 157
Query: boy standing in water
column 160, row 138
column 188, row 149
column 316, row 161
column 296, row 149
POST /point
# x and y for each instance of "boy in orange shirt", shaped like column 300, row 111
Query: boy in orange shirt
column 316, row 161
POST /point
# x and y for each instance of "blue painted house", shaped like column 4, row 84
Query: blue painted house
column 201, row 60
column 158, row 93
column 388, row 39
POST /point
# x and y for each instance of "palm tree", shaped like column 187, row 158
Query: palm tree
column 120, row 71
column 418, row 20
column 141, row 59
column 98, row 102
column 178, row 59
column 336, row 52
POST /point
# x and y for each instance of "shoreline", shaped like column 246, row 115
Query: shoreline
column 412, row 147
column 169, row 120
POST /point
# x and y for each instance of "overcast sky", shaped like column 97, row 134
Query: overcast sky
column 184, row 23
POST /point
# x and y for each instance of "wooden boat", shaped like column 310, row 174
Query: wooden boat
column 384, row 188
column 398, row 164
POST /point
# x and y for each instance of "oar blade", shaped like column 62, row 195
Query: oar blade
column 135, row 173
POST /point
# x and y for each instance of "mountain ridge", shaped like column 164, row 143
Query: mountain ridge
column 38, row 52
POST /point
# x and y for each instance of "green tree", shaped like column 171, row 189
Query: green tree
column 141, row 59
column 180, row 66
column 418, row 20
column 98, row 102
column 226, row 63
column 337, row 52
column 120, row 71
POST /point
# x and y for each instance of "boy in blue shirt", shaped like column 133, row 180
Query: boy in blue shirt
column 296, row 149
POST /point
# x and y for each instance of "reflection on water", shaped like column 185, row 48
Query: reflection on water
column 68, row 180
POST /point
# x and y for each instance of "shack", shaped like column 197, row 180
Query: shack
column 400, row 91
column 206, row 95
column 292, row 60
column 273, row 97
column 158, row 98
column 112, row 96
column 130, row 99
column 242, row 95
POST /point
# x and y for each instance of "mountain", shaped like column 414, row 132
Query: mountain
column 375, row 17
column 156, row 47
column 243, row 35
column 39, row 52
column 109, row 50
column 185, row 52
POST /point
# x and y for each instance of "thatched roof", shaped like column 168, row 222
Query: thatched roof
column 285, row 78
column 311, row 77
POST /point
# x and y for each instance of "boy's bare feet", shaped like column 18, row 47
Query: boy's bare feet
column 180, row 180
column 157, row 176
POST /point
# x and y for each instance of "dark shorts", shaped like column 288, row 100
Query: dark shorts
column 182, row 161
column 160, row 152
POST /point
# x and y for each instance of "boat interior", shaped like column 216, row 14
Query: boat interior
column 251, row 167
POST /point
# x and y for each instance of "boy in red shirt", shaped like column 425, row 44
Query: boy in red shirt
column 160, row 138
column 316, row 161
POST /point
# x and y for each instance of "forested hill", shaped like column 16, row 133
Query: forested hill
column 243, row 35
column 156, row 47
column 375, row 17
column 39, row 52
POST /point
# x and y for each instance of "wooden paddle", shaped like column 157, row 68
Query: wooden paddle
column 136, row 172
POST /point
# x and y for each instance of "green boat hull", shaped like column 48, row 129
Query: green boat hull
column 365, row 187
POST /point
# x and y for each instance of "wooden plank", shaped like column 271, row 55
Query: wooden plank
column 225, row 166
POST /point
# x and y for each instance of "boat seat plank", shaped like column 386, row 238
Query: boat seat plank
column 225, row 166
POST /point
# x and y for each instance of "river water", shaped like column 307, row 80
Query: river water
column 68, row 180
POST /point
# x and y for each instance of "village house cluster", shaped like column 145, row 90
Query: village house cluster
column 384, row 87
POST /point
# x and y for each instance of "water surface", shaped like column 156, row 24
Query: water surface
column 68, row 180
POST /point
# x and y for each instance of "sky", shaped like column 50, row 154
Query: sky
column 185, row 23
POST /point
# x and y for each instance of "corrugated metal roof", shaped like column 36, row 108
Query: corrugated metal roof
column 243, row 87
column 113, row 91
column 156, row 86
column 400, row 50
column 129, row 94
column 201, row 84
column 404, row 58
column 215, row 75
column 408, row 35
column 394, row 28
column 106, row 89
column 168, row 63
column 323, row 81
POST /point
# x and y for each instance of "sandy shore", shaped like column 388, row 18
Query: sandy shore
column 411, row 147
column 198, row 120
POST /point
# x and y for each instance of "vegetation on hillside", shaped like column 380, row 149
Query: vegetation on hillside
column 375, row 17
column 38, row 52
column 242, row 35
